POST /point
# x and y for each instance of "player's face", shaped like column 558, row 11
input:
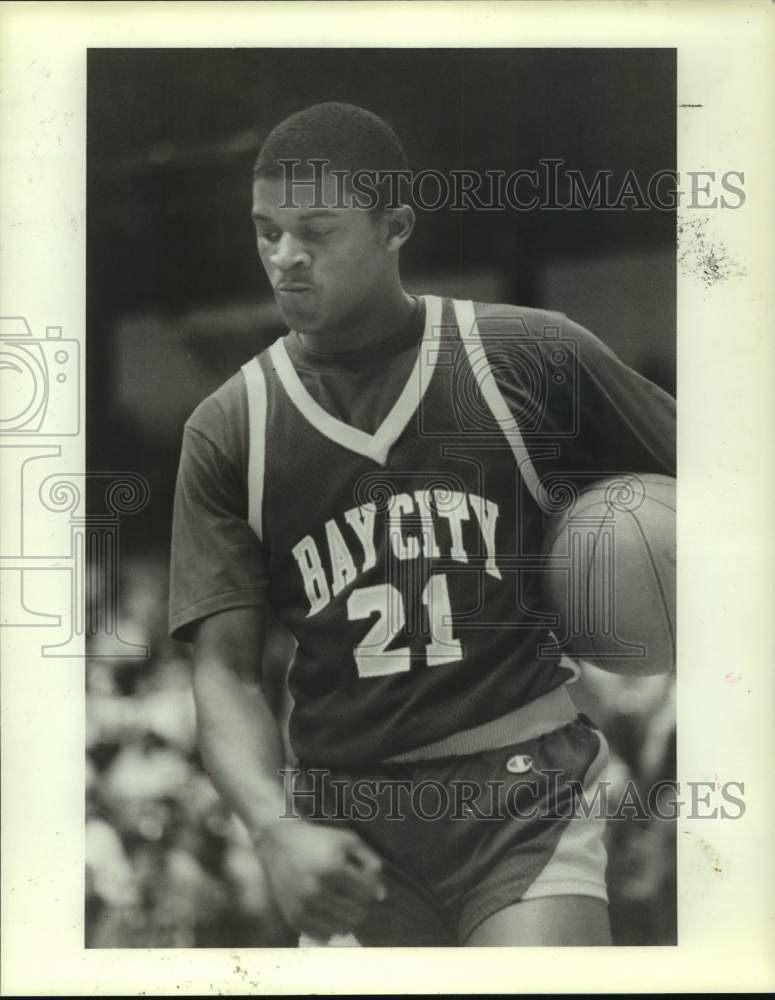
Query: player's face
column 325, row 264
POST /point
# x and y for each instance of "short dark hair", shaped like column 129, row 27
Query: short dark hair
column 345, row 136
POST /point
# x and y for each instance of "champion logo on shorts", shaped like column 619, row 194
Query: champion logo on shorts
column 519, row 763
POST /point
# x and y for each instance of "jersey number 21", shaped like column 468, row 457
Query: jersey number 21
column 372, row 657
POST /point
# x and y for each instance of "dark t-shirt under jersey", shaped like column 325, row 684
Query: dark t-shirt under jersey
column 360, row 387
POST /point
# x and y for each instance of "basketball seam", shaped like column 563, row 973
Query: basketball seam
column 612, row 505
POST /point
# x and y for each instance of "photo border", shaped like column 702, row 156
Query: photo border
column 725, row 488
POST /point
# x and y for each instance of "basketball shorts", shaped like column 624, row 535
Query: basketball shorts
column 462, row 837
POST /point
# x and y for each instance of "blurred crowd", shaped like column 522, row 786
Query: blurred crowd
column 168, row 866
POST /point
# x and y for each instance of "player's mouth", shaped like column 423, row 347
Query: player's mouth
column 293, row 288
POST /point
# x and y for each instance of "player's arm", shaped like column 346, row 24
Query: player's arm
column 583, row 411
column 602, row 416
column 239, row 738
column 626, row 423
column 323, row 879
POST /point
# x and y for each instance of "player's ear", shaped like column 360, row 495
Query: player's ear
column 399, row 226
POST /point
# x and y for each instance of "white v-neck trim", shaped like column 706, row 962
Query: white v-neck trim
column 374, row 446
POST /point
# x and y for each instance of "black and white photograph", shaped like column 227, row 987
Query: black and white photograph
column 370, row 518
column 366, row 415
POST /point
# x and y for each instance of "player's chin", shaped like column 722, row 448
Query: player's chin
column 302, row 312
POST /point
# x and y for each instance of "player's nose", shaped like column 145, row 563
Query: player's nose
column 289, row 253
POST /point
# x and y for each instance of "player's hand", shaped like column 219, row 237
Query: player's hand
column 323, row 879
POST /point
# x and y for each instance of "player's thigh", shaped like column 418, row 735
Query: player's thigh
column 546, row 921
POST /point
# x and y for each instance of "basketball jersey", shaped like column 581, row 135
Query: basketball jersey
column 404, row 561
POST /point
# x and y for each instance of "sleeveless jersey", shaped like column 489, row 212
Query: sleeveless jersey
column 405, row 561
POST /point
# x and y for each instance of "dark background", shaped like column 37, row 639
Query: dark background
column 176, row 301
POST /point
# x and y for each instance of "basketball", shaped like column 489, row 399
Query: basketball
column 610, row 574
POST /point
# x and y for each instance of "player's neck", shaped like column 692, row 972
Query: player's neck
column 384, row 317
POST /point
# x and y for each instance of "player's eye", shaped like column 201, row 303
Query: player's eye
column 269, row 234
column 318, row 232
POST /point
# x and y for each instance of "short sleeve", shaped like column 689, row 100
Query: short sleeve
column 583, row 412
column 618, row 421
column 216, row 560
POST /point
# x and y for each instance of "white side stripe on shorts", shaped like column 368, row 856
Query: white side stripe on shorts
column 256, row 390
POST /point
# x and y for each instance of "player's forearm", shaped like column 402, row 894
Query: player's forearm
column 241, row 746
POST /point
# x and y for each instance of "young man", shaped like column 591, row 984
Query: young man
column 376, row 478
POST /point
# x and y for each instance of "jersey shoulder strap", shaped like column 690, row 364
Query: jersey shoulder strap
column 468, row 327
column 255, row 385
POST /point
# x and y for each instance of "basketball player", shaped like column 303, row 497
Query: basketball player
column 375, row 479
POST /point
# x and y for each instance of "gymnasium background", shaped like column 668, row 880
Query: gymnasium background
column 176, row 301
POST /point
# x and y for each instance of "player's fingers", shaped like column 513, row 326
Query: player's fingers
column 367, row 865
column 350, row 882
column 367, row 860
